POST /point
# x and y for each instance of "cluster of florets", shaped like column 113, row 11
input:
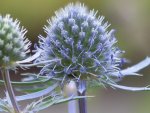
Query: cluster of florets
column 82, row 44
column 13, row 44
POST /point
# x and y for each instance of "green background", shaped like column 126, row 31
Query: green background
column 130, row 18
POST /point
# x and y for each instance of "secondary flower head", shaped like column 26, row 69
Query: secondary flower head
column 13, row 44
column 79, row 44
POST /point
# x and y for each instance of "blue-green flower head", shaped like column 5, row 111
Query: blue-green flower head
column 13, row 44
column 79, row 44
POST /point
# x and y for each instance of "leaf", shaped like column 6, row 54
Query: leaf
column 40, row 80
column 134, row 69
column 30, row 89
column 147, row 88
column 71, row 98
column 39, row 63
column 36, row 87
column 49, row 101
column 31, row 58
column 37, row 94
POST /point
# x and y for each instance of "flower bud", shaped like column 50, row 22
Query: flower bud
column 13, row 44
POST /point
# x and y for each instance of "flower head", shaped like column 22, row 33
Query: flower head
column 81, row 42
column 13, row 44
column 78, row 46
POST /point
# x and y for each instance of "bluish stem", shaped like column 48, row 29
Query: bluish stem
column 71, row 90
column 72, row 106
column 82, row 92
column 8, row 86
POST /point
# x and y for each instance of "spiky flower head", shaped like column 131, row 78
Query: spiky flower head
column 79, row 45
column 13, row 44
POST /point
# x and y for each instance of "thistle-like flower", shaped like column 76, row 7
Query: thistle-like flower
column 13, row 44
column 79, row 46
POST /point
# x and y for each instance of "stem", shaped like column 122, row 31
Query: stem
column 82, row 92
column 71, row 90
column 8, row 86
column 72, row 106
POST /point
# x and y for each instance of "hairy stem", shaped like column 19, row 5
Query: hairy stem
column 82, row 92
column 9, row 89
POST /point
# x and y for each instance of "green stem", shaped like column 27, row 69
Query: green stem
column 8, row 86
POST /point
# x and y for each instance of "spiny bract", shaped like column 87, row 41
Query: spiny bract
column 82, row 44
column 13, row 44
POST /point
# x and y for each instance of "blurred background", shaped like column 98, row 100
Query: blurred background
column 130, row 18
